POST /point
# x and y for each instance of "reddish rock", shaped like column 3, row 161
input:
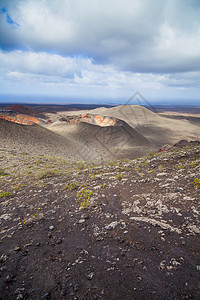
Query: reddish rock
column 93, row 119
column 28, row 118
column 16, row 120
column 22, row 110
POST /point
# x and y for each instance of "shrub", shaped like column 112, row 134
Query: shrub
column 73, row 186
column 3, row 173
column 119, row 176
column 196, row 182
column 5, row 194
column 84, row 196
column 47, row 174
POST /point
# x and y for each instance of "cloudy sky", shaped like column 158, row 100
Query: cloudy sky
column 99, row 49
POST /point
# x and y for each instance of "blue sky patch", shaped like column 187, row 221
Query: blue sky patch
column 3, row 10
column 9, row 20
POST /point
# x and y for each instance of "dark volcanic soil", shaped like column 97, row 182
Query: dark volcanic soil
column 75, row 141
column 123, row 230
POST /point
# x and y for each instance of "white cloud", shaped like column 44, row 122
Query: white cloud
column 124, row 45
column 45, row 69
column 140, row 35
column 42, row 63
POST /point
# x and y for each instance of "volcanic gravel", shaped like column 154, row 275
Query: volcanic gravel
column 126, row 229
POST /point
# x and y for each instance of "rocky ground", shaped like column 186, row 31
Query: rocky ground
column 122, row 230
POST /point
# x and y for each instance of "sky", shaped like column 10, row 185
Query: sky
column 100, row 51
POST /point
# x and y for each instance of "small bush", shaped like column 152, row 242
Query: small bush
column 5, row 194
column 3, row 173
column 84, row 196
column 119, row 176
column 196, row 182
column 151, row 153
column 73, row 186
column 47, row 174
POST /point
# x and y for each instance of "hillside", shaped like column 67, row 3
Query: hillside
column 158, row 129
column 101, row 134
column 113, row 142
column 34, row 139
column 80, row 141
column 26, row 110
column 122, row 230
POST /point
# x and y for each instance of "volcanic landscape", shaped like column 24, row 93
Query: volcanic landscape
column 99, row 203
